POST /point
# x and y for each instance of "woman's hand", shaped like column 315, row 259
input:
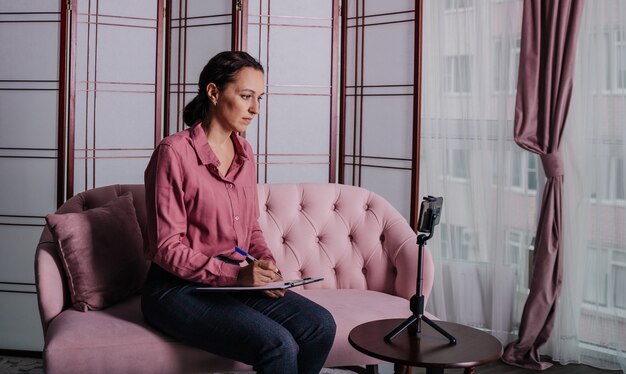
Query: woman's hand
column 259, row 273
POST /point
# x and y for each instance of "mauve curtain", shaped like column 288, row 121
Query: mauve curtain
column 546, row 70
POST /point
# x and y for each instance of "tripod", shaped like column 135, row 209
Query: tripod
column 417, row 301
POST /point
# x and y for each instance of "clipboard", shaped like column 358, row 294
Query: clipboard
column 278, row 285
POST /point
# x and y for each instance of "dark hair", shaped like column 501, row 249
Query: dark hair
column 220, row 70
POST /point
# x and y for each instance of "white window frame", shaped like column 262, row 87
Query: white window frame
column 450, row 6
column 452, row 73
column 508, row 81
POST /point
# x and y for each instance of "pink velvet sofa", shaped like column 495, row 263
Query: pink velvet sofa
column 360, row 244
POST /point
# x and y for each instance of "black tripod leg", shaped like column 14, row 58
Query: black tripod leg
column 401, row 327
column 439, row 329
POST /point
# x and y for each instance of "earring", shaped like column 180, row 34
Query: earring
column 214, row 102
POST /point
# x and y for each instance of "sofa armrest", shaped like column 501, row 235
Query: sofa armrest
column 52, row 292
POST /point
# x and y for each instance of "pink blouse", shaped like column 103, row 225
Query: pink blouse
column 195, row 214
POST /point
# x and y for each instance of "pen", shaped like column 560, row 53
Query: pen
column 251, row 258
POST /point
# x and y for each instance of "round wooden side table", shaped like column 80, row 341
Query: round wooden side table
column 428, row 349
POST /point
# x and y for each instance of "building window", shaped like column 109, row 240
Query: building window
column 516, row 253
column 532, row 172
column 523, row 167
column 612, row 173
column 506, row 55
column 620, row 63
column 595, row 291
column 609, row 47
column 457, row 79
column 459, row 243
column 609, row 265
column 451, row 5
column 458, row 164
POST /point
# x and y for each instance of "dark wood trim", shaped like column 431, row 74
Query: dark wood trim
column 342, row 92
column 71, row 105
column 244, row 25
column 168, row 68
column 332, row 167
column 360, row 82
column 158, row 78
column 417, row 113
column 61, row 135
column 234, row 27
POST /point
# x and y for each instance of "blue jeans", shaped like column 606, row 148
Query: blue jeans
column 287, row 335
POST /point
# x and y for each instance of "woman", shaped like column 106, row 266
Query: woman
column 202, row 203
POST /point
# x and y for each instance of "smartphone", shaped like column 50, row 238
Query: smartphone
column 430, row 213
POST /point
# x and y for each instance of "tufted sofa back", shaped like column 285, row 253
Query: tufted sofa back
column 348, row 235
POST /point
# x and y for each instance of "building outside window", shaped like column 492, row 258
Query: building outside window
column 454, row 5
column 457, row 78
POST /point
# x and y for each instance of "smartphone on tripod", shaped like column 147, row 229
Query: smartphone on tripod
column 430, row 214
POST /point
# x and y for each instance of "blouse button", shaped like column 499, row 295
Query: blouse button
column 236, row 218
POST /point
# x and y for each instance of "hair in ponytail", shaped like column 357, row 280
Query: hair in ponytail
column 220, row 70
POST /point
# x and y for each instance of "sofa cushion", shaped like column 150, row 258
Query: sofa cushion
column 118, row 339
column 101, row 251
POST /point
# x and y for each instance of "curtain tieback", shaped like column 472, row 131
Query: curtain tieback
column 552, row 164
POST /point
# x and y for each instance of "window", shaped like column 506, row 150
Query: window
column 610, row 72
column 612, row 171
column 458, row 242
column 516, row 253
column 506, row 54
column 451, row 5
column 457, row 78
column 523, row 171
column 610, row 265
column 620, row 63
column 532, row 172
column 458, row 164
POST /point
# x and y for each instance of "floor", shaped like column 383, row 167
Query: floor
column 25, row 365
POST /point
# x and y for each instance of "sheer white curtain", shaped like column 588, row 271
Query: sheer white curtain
column 491, row 187
column 468, row 156
column 590, row 326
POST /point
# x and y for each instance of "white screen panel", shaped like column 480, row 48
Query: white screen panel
column 18, row 252
column 28, row 6
column 388, row 63
column 23, row 127
column 28, row 186
column 392, row 184
column 381, row 7
column 306, row 48
column 298, row 124
column 201, row 47
column 126, row 54
column 200, row 29
column 388, row 126
column 27, row 49
column 120, row 121
column 294, row 42
column 120, row 170
column 20, row 326
column 300, row 8
column 116, row 82
column 139, row 9
column 297, row 173
column 198, row 7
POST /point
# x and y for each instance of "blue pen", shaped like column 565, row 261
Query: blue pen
column 251, row 258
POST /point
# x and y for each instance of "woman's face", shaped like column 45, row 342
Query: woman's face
column 238, row 103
